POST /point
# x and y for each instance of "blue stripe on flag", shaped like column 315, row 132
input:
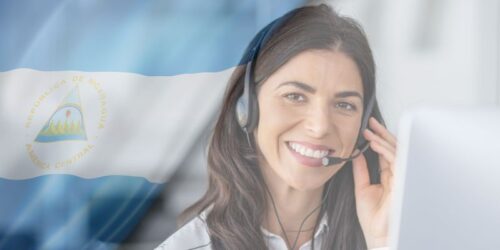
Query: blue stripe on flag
column 92, row 212
column 145, row 37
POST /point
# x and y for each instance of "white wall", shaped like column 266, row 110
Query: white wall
column 431, row 51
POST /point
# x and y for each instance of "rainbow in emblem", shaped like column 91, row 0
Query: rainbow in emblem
column 66, row 123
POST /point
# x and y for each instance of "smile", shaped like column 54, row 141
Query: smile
column 309, row 155
column 305, row 151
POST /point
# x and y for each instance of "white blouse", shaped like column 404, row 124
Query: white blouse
column 194, row 235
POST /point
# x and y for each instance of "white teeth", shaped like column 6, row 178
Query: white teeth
column 316, row 154
column 307, row 151
column 302, row 150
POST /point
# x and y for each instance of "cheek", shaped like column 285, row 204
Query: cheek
column 350, row 132
column 274, row 121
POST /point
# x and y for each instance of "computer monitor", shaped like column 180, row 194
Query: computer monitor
column 447, row 180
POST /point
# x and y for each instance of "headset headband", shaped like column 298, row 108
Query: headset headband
column 247, row 106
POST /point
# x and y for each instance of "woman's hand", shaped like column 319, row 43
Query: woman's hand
column 373, row 201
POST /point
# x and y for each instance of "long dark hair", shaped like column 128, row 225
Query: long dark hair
column 236, row 185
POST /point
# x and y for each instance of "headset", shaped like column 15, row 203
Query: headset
column 247, row 110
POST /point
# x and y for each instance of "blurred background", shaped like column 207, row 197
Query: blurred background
column 426, row 51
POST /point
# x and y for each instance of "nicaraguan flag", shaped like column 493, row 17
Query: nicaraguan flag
column 100, row 102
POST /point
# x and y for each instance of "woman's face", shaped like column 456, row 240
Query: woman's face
column 311, row 107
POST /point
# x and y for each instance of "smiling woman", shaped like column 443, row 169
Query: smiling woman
column 304, row 93
column 310, row 103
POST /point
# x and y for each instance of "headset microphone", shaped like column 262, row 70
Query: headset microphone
column 328, row 161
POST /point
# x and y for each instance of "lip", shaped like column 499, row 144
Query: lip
column 308, row 161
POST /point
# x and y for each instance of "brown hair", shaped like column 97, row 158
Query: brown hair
column 236, row 186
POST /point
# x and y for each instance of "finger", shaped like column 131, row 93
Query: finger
column 370, row 136
column 381, row 150
column 382, row 131
column 386, row 174
column 360, row 172
column 386, row 179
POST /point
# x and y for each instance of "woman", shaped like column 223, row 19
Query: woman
column 313, row 78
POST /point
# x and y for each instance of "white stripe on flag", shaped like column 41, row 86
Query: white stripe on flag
column 93, row 124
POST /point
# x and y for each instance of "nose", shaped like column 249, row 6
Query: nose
column 317, row 122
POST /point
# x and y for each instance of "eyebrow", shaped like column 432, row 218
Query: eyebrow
column 344, row 94
column 312, row 90
column 299, row 85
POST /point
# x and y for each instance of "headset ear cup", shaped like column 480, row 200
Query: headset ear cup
column 253, row 111
column 242, row 112
column 242, row 104
column 361, row 139
column 364, row 122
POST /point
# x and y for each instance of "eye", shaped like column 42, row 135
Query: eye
column 295, row 97
column 346, row 106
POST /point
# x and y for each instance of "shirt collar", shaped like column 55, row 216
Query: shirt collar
column 322, row 227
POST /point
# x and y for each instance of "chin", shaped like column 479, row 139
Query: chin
column 303, row 183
